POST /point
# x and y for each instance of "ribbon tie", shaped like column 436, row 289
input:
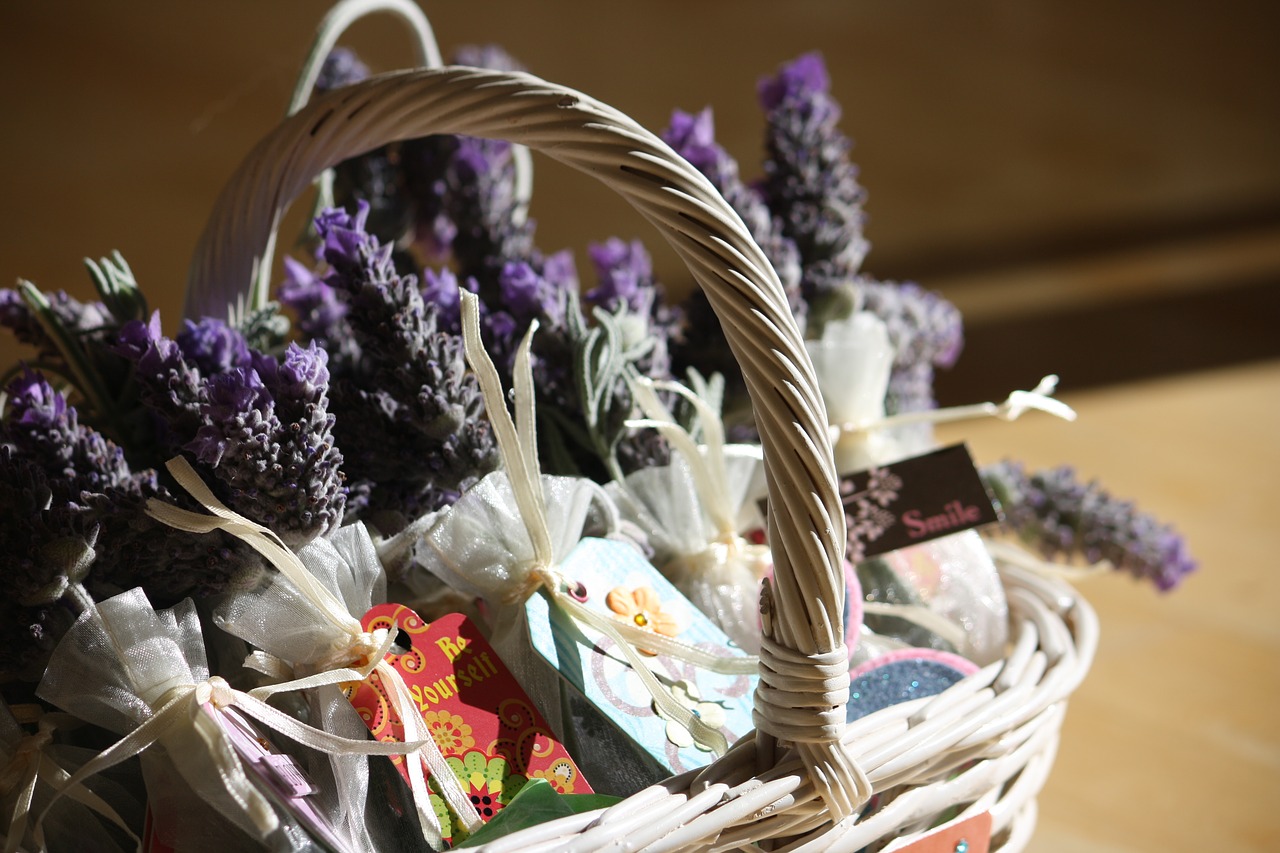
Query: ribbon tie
column 356, row 653
column 187, row 703
column 29, row 765
column 517, row 445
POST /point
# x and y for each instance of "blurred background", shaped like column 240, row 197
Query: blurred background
column 1096, row 185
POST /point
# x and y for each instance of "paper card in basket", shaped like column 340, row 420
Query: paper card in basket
column 487, row 729
column 893, row 506
column 614, row 581
column 971, row 835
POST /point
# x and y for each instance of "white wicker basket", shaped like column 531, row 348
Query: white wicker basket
column 803, row 780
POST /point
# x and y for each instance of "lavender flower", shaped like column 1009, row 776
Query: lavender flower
column 374, row 177
column 267, row 435
column 628, row 291
column 809, row 183
column 703, row 344
column 526, row 294
column 464, row 192
column 320, row 315
column 693, row 137
column 340, row 68
column 212, row 346
column 924, row 328
column 84, row 491
column 169, row 564
column 82, row 319
column 42, row 428
column 167, row 384
column 489, row 56
column 1065, row 518
column 442, row 290
column 409, row 417
column 626, row 275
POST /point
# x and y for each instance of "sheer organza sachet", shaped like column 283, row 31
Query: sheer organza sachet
column 289, row 630
column 142, row 673
column 944, row 594
column 697, row 513
column 95, row 814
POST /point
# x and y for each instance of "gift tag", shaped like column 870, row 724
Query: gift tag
column 971, row 835
column 278, row 776
column 613, row 579
column 486, row 727
column 913, row 501
column 901, row 676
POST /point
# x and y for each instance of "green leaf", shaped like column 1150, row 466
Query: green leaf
column 85, row 376
column 118, row 289
column 536, row 803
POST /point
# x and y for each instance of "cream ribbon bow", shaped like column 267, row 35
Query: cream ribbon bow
column 28, row 765
column 185, row 703
column 517, row 445
column 357, row 653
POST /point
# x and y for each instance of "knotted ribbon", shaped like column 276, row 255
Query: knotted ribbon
column 154, row 671
column 30, row 764
column 354, row 654
column 693, row 509
column 511, row 584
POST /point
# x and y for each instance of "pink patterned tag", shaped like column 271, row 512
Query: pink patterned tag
column 485, row 725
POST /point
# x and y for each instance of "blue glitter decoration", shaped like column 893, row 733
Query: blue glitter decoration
column 962, row 846
column 898, row 681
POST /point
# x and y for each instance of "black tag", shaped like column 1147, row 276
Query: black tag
column 913, row 501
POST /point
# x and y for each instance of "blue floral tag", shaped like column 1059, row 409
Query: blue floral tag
column 616, row 580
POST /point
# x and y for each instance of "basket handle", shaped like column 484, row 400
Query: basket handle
column 804, row 668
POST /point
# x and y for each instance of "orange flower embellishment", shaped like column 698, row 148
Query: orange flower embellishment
column 641, row 607
column 450, row 733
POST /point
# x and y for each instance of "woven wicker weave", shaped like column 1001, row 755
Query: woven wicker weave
column 803, row 776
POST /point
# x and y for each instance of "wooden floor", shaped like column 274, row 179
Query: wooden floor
column 1095, row 184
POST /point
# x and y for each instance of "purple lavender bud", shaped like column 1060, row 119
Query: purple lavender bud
column 341, row 68
column 527, row 295
column 693, row 136
column 212, row 346
column 87, row 320
column 560, row 271
column 703, row 345
column 40, row 426
column 464, row 192
column 803, row 78
column 486, row 56
column 268, row 438
column 32, row 618
column 810, row 185
column 348, row 247
column 303, row 375
column 36, row 403
column 235, row 406
column 625, row 273
column 409, row 416
column 1065, row 518
column 17, row 317
column 136, row 337
column 441, row 289
column 169, row 564
column 924, row 328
